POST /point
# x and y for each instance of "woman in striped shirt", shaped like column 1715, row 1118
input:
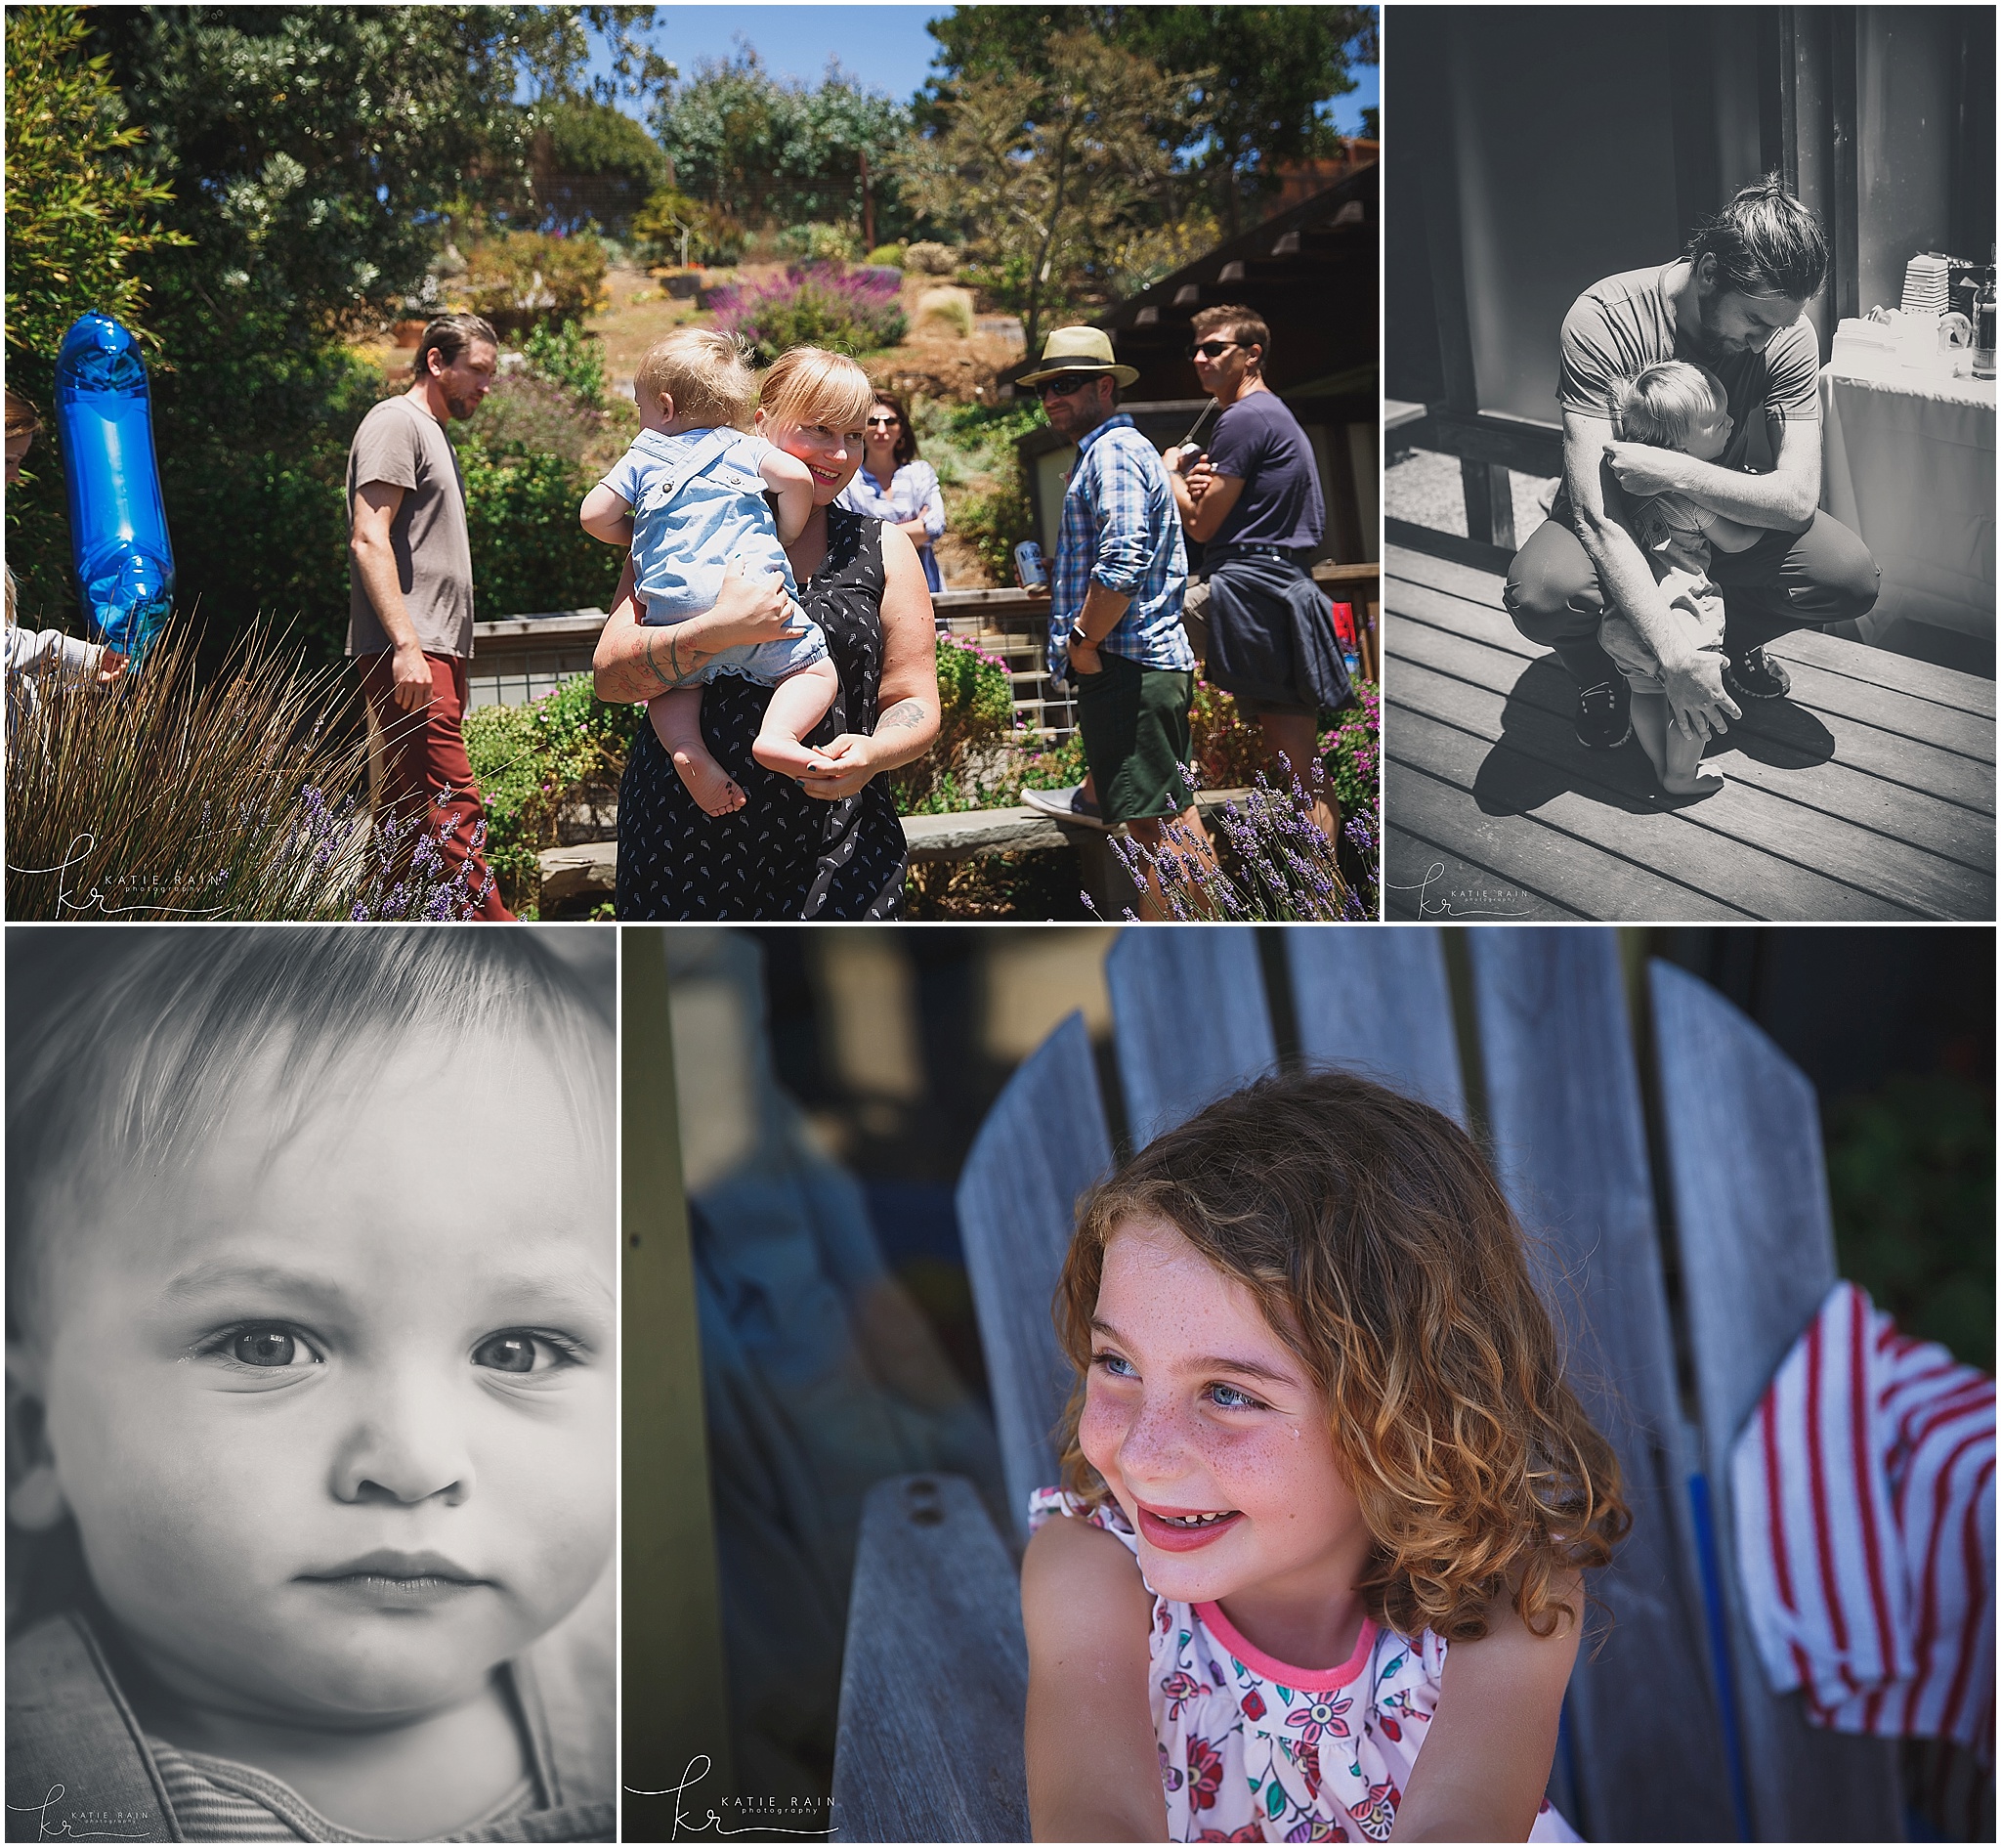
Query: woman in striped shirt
column 893, row 486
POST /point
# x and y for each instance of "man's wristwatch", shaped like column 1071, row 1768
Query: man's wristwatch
column 1078, row 638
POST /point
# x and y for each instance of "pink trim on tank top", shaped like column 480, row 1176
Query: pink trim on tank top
column 1307, row 1680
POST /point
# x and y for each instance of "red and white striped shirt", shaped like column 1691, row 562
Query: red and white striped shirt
column 1864, row 1494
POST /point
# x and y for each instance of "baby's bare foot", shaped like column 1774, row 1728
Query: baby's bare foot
column 1700, row 780
column 786, row 755
column 713, row 788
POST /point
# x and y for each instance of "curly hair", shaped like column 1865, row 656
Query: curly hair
column 1380, row 1250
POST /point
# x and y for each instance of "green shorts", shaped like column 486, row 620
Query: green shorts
column 1135, row 722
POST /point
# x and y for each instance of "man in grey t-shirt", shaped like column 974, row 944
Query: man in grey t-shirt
column 410, row 592
column 1734, row 302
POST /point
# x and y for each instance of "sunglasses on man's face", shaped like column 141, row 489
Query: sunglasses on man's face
column 1063, row 387
column 1212, row 349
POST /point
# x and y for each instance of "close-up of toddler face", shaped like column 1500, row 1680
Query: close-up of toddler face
column 335, row 1410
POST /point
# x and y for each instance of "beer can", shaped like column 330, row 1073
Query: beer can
column 1028, row 566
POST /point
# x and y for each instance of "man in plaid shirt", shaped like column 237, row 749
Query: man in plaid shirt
column 1115, row 605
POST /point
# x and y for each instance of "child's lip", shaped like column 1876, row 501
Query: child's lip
column 1160, row 1532
column 391, row 1567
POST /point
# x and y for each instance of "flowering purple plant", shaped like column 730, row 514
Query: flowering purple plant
column 821, row 304
column 1287, row 869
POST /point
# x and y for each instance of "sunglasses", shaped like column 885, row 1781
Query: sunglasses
column 1212, row 349
column 884, row 423
column 1064, row 387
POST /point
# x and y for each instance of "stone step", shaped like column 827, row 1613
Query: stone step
column 590, row 868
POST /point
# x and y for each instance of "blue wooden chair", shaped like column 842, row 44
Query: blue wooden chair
column 1657, row 1744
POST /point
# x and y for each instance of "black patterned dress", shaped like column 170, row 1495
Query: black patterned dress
column 782, row 855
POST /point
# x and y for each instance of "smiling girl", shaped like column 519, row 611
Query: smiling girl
column 1314, row 1570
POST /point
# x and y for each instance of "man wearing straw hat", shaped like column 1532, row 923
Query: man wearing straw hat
column 1116, row 588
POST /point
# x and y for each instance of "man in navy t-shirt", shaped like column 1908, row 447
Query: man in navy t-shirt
column 1253, row 502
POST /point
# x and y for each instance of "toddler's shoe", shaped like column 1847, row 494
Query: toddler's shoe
column 1603, row 715
column 1754, row 675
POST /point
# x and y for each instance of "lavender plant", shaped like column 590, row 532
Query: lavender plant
column 1286, row 871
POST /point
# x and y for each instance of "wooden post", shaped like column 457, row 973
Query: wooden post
column 675, row 1712
column 867, row 205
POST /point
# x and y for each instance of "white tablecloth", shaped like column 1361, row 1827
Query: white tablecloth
column 1909, row 464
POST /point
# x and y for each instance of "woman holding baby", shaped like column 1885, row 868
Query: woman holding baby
column 826, row 842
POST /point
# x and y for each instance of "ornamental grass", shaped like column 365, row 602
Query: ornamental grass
column 240, row 794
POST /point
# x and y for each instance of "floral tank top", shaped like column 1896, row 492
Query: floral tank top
column 1253, row 1751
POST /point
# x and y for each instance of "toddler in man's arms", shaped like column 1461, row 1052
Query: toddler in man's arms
column 688, row 498
column 1674, row 405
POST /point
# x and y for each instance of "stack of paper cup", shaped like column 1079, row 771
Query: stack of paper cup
column 1924, row 286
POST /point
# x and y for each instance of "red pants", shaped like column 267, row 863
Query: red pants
column 423, row 756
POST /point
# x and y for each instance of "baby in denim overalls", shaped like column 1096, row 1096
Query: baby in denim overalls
column 688, row 498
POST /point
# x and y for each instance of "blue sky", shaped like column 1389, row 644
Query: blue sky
column 886, row 47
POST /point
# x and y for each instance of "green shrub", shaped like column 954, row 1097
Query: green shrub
column 1352, row 752
column 994, row 521
column 1057, row 767
column 530, row 761
column 713, row 236
column 931, row 259
column 890, row 254
column 522, row 277
column 568, row 357
column 528, row 552
column 819, row 243
column 1910, row 1176
column 975, row 714
column 986, row 494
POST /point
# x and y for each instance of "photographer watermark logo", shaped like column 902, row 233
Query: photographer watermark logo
column 59, row 1823
column 810, row 1815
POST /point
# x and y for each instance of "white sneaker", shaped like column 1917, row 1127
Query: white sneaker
column 1068, row 805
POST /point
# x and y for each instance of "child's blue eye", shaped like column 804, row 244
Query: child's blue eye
column 270, row 1348
column 1113, row 1365
column 1228, row 1399
column 516, row 1350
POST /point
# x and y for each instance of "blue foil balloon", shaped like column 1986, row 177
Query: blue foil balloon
column 117, row 520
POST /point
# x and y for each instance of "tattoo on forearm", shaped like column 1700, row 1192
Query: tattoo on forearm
column 678, row 673
column 904, row 716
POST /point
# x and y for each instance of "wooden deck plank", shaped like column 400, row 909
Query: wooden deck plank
column 1744, row 874
column 1554, row 871
column 1909, row 763
column 1761, row 850
column 1835, row 790
column 1424, row 884
column 1945, row 686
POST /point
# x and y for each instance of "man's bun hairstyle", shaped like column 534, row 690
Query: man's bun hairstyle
column 1764, row 242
